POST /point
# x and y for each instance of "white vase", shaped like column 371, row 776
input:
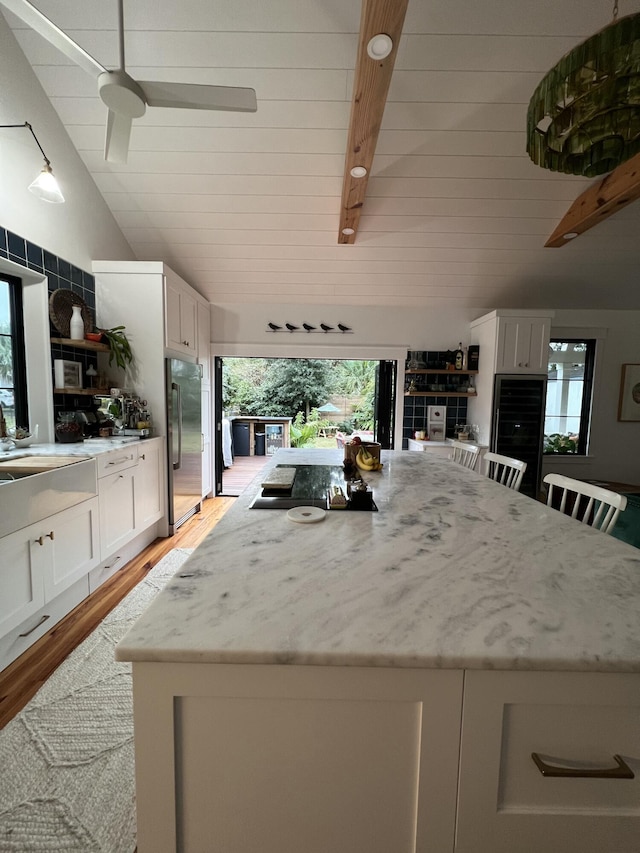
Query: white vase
column 76, row 324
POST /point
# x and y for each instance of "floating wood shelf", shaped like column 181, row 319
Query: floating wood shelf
column 84, row 392
column 94, row 346
column 438, row 394
column 447, row 372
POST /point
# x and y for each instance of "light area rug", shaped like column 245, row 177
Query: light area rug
column 66, row 760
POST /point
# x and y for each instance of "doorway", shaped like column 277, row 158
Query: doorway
column 262, row 403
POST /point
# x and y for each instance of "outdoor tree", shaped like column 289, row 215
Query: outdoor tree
column 294, row 385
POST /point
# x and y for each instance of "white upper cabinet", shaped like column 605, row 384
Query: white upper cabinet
column 523, row 344
column 181, row 317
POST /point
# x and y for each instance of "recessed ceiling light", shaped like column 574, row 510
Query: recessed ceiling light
column 380, row 46
column 348, row 231
column 570, row 235
column 358, row 172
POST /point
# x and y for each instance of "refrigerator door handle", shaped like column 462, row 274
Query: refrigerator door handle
column 175, row 387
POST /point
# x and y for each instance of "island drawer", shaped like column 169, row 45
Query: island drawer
column 117, row 460
column 573, row 722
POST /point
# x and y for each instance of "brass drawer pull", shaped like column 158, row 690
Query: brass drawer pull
column 40, row 539
column 43, row 618
column 621, row 771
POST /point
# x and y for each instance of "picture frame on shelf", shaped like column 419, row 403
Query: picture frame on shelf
column 67, row 374
column 629, row 402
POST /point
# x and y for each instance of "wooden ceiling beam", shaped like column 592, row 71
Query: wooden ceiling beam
column 370, row 88
column 615, row 191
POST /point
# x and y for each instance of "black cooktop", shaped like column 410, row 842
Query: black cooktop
column 311, row 487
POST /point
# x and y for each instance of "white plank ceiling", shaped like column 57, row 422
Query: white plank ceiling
column 246, row 206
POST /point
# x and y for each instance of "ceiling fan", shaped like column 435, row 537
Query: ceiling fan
column 125, row 97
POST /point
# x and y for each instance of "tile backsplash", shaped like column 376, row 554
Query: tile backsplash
column 415, row 408
column 60, row 274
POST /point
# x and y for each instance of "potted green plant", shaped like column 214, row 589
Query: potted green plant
column 119, row 345
column 557, row 443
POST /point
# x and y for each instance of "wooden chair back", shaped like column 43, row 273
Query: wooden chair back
column 464, row 454
column 600, row 509
column 504, row 469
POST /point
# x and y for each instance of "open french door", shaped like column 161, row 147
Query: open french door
column 384, row 405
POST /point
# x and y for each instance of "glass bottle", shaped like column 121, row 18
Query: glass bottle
column 76, row 324
column 459, row 357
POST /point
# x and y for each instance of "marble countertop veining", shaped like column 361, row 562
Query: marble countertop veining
column 454, row 571
column 86, row 448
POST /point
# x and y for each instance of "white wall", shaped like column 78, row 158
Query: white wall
column 81, row 229
column 439, row 327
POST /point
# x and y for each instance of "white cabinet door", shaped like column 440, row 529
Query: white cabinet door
column 204, row 341
column 207, row 469
column 117, row 510
column 571, row 720
column 39, row 562
column 71, row 543
column 292, row 758
column 523, row 345
column 181, row 319
column 149, row 490
column 21, row 578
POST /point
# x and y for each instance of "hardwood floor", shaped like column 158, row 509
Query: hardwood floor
column 24, row 677
column 236, row 478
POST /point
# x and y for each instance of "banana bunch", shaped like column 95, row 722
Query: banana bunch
column 366, row 461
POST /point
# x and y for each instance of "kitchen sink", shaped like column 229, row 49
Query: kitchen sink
column 25, row 466
column 36, row 491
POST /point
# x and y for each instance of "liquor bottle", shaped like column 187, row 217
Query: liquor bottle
column 459, row 357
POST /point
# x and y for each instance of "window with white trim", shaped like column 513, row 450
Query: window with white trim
column 569, row 391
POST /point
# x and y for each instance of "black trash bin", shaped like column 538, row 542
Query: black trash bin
column 240, row 439
column 260, row 444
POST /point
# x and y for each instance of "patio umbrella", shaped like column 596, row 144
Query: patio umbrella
column 328, row 408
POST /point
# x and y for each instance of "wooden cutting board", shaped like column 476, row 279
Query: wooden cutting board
column 39, row 463
column 279, row 479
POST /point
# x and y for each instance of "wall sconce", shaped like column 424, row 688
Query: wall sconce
column 45, row 185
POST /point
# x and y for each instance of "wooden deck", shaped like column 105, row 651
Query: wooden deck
column 236, row 479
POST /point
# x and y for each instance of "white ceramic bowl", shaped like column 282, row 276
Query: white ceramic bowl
column 23, row 442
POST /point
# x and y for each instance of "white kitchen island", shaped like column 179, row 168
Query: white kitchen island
column 377, row 682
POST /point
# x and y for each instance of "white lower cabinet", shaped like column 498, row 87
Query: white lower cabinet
column 149, row 484
column 280, row 759
column 38, row 565
column 117, row 510
column 285, row 759
column 574, row 722
column 131, row 493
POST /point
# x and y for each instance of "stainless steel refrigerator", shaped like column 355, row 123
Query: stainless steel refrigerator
column 518, row 423
column 184, row 440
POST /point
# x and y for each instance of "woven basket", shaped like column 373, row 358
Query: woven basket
column 61, row 303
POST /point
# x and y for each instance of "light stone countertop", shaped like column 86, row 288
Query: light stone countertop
column 454, row 571
column 88, row 447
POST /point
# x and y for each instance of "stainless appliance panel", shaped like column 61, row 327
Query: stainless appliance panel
column 184, row 439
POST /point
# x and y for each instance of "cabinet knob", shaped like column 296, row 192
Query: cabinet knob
column 40, row 539
column 142, row 456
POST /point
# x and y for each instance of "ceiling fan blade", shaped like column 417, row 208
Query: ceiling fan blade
column 116, row 145
column 53, row 34
column 194, row 96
